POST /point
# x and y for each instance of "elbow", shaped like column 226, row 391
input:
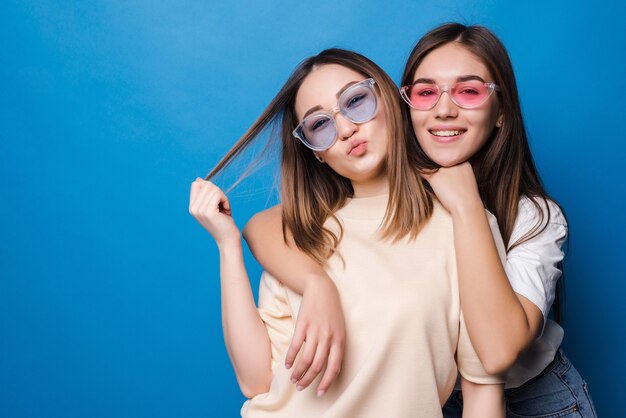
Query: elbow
column 503, row 353
column 251, row 388
column 252, row 391
column 499, row 363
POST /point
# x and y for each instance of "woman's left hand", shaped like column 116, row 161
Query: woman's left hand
column 455, row 187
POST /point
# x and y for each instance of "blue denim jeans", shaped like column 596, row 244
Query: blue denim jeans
column 558, row 391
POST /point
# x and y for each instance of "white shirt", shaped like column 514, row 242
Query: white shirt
column 532, row 269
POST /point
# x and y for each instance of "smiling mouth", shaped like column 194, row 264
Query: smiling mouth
column 447, row 133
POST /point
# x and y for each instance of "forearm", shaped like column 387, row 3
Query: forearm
column 482, row 401
column 287, row 263
column 320, row 319
column 496, row 319
column 245, row 334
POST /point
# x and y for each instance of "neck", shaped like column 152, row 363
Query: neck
column 373, row 187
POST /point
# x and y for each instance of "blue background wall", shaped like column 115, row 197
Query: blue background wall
column 109, row 292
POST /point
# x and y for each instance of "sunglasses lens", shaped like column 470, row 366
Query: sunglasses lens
column 359, row 103
column 470, row 94
column 318, row 131
column 422, row 96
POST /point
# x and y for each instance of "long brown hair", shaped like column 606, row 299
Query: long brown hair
column 504, row 167
column 311, row 192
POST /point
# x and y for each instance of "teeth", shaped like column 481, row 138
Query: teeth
column 446, row 133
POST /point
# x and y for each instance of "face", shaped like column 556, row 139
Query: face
column 447, row 133
column 360, row 151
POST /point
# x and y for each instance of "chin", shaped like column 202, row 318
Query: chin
column 448, row 161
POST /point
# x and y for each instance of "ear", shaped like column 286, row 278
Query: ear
column 320, row 159
column 500, row 120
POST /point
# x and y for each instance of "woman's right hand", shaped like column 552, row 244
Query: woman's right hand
column 456, row 187
column 210, row 206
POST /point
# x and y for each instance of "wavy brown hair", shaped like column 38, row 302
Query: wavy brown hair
column 311, row 192
column 504, row 166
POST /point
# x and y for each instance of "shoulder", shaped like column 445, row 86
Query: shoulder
column 531, row 209
column 275, row 212
column 539, row 219
column 271, row 216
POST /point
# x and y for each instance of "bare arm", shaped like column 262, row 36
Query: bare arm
column 245, row 334
column 264, row 236
column 501, row 323
column 482, row 401
column 320, row 324
column 483, row 393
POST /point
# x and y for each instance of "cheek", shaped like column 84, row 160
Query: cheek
column 417, row 122
column 325, row 155
column 333, row 156
column 381, row 120
column 485, row 121
column 416, row 118
column 492, row 117
column 424, row 145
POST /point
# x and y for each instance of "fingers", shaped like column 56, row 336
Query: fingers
column 193, row 193
column 318, row 357
column 333, row 367
column 318, row 364
column 206, row 196
column 204, row 203
column 296, row 344
column 198, row 188
column 305, row 360
column 225, row 205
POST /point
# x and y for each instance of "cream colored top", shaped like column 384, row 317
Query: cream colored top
column 403, row 324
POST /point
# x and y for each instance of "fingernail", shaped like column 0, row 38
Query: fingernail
column 320, row 392
column 294, row 380
column 287, row 366
column 299, row 387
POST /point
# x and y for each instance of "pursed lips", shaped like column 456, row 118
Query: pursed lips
column 354, row 145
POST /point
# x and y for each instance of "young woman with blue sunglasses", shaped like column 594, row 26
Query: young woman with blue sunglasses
column 353, row 200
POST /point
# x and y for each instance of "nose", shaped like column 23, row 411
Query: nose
column 445, row 108
column 345, row 127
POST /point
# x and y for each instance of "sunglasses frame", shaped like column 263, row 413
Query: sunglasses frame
column 446, row 88
column 368, row 83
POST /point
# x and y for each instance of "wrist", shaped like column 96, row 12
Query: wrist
column 316, row 281
column 230, row 246
column 464, row 209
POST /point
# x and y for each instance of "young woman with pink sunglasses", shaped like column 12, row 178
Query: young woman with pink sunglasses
column 462, row 99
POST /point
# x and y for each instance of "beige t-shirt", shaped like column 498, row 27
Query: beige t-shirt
column 403, row 324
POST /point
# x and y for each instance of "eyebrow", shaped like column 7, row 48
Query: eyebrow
column 339, row 93
column 458, row 79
